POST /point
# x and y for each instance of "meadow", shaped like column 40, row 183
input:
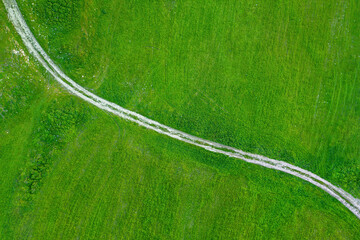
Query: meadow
column 276, row 79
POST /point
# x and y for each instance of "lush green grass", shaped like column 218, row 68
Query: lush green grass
column 117, row 180
column 280, row 80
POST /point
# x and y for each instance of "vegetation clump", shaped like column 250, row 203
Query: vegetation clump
column 60, row 15
column 57, row 126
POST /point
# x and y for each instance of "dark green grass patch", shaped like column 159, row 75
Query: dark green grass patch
column 59, row 122
column 60, row 16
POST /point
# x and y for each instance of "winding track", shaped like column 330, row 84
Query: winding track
column 36, row 50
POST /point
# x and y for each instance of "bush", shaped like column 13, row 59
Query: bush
column 60, row 15
column 56, row 127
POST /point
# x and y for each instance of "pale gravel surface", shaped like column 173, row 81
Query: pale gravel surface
column 36, row 50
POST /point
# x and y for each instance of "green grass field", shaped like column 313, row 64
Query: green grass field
column 279, row 79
